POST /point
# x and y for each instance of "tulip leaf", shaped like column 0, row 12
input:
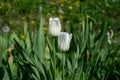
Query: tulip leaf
column 69, row 64
column 27, row 38
column 36, row 73
column 39, row 65
column 13, row 68
column 49, row 43
column 59, row 76
column 6, row 75
column 59, row 55
column 39, row 46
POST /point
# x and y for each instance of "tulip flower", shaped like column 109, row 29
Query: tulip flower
column 54, row 26
column 64, row 40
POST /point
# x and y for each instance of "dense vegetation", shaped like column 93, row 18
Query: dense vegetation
column 29, row 52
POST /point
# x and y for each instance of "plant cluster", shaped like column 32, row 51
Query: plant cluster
column 35, row 43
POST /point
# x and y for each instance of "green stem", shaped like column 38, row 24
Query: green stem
column 54, row 59
column 62, row 66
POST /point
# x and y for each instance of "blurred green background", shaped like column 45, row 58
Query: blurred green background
column 14, row 12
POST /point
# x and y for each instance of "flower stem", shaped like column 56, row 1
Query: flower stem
column 54, row 59
column 62, row 66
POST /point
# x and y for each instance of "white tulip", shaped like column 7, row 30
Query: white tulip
column 54, row 26
column 64, row 40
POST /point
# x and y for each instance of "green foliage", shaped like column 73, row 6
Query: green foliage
column 35, row 56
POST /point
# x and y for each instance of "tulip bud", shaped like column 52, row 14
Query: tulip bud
column 54, row 26
column 109, row 36
column 64, row 41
